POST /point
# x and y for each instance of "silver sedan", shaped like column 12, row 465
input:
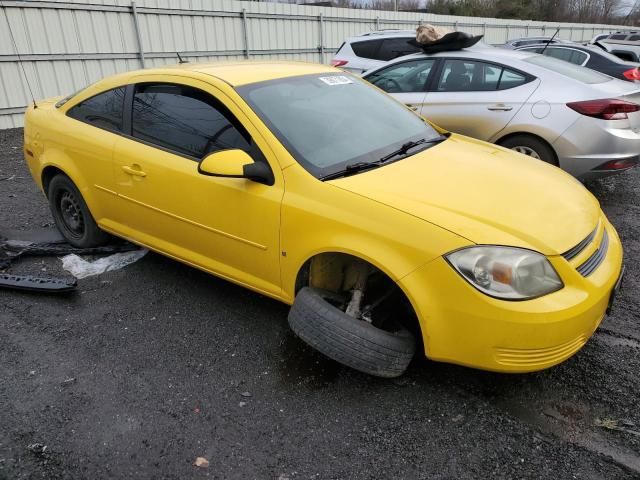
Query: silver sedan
column 583, row 121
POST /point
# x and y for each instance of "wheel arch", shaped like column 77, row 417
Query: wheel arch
column 302, row 277
column 53, row 165
column 509, row 135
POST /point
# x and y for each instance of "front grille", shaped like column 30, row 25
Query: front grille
column 575, row 251
column 596, row 258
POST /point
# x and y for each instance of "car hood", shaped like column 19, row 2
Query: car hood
column 485, row 193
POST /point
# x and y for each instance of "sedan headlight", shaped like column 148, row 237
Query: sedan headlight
column 506, row 272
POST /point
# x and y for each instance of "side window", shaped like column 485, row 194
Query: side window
column 456, row 76
column 578, row 57
column 634, row 38
column 559, row 53
column 103, row 110
column 474, row 76
column 184, row 119
column 568, row 55
column 366, row 49
column 403, row 77
column 468, row 76
column 396, row 47
column 618, row 37
column 511, row 79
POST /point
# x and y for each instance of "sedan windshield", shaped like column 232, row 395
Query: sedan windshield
column 331, row 121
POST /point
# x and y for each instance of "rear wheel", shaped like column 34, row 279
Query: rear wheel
column 72, row 216
column 532, row 147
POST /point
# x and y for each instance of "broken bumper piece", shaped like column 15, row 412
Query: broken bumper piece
column 38, row 284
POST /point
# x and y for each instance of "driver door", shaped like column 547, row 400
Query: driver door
column 405, row 81
column 229, row 226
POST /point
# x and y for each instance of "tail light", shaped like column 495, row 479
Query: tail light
column 632, row 75
column 338, row 63
column 607, row 109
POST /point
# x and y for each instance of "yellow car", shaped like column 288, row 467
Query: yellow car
column 310, row 186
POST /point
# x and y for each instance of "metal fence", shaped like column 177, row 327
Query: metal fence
column 67, row 44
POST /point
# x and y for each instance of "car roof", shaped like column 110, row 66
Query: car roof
column 391, row 33
column 245, row 72
column 483, row 52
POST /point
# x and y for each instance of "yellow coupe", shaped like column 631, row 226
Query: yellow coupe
column 310, row 186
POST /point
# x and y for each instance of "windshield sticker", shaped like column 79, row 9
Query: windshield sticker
column 336, row 80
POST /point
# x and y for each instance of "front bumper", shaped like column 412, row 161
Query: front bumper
column 590, row 143
column 462, row 325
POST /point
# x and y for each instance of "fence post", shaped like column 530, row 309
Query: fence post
column 136, row 25
column 321, row 36
column 527, row 30
column 507, row 33
column 544, row 30
column 484, row 30
column 377, row 23
column 245, row 34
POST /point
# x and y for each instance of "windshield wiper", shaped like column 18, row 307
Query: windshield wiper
column 403, row 150
column 361, row 166
column 350, row 169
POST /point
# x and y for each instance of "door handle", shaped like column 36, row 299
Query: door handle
column 136, row 172
column 500, row 107
column 413, row 107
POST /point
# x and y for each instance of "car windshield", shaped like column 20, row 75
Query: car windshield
column 329, row 121
column 582, row 74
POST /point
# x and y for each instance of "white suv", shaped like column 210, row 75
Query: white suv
column 374, row 49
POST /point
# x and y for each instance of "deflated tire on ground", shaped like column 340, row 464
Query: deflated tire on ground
column 352, row 342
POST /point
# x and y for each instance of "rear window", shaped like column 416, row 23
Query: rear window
column 582, row 74
column 366, row 49
column 104, row 110
column 396, row 47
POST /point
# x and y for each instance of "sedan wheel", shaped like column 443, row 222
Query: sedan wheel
column 526, row 151
column 531, row 146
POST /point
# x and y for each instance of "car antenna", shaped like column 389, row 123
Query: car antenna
column 547, row 44
column 180, row 59
column 15, row 47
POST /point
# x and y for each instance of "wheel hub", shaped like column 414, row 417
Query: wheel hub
column 527, row 151
column 71, row 213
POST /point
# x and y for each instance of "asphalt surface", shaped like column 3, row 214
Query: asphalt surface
column 147, row 368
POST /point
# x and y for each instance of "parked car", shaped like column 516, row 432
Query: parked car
column 373, row 49
column 592, row 57
column 581, row 120
column 599, row 37
column 631, row 36
column 523, row 41
column 625, row 45
column 310, row 186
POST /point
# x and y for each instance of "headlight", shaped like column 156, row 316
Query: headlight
column 506, row 272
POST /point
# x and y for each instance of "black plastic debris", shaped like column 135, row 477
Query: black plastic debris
column 40, row 284
column 449, row 42
column 45, row 242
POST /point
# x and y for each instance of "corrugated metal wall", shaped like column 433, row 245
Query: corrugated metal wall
column 67, row 44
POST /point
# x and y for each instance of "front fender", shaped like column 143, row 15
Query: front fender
column 323, row 218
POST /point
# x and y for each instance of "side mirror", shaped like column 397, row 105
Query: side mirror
column 235, row 164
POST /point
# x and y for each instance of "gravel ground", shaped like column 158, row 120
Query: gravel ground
column 146, row 368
